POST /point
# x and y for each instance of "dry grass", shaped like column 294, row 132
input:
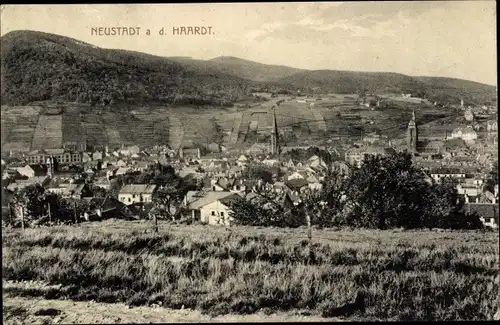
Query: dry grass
column 406, row 275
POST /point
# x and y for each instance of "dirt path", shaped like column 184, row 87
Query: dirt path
column 21, row 310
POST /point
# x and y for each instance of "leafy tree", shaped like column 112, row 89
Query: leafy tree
column 259, row 172
column 492, row 179
column 35, row 202
column 386, row 192
column 32, row 200
column 265, row 210
column 326, row 205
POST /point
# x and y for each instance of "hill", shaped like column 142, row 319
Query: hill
column 244, row 69
column 442, row 90
column 469, row 91
column 38, row 66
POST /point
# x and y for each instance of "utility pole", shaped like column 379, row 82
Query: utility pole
column 10, row 214
column 22, row 217
column 50, row 214
column 74, row 211
column 309, row 230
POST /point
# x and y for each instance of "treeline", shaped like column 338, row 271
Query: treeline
column 34, row 205
column 384, row 192
column 41, row 207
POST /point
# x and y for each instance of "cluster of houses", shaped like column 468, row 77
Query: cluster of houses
column 74, row 175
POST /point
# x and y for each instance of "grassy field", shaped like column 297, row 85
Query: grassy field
column 406, row 275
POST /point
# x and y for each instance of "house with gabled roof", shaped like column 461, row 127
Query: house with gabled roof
column 135, row 193
column 488, row 213
column 213, row 208
column 243, row 158
column 297, row 185
column 299, row 174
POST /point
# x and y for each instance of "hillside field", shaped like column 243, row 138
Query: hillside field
column 28, row 128
column 406, row 275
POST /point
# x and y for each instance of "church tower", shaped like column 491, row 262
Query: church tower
column 275, row 150
column 50, row 167
column 412, row 135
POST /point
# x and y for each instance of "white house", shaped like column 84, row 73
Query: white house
column 271, row 162
column 465, row 190
column 97, row 155
column 26, row 171
column 242, row 161
column 213, row 208
column 465, row 133
column 130, row 150
column 122, row 171
column 300, row 174
column 317, row 163
column 492, row 126
column 135, row 193
column 469, row 116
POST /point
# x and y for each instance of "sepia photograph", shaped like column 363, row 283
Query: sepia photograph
column 249, row 162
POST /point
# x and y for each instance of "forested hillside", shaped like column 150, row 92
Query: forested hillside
column 38, row 66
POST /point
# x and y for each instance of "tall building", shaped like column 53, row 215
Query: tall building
column 412, row 135
column 275, row 149
column 50, row 166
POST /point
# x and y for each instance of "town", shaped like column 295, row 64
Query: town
column 249, row 162
column 111, row 180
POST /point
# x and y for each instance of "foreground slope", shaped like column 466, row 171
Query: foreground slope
column 405, row 275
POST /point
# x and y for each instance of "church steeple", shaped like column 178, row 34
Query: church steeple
column 50, row 166
column 274, row 135
column 412, row 135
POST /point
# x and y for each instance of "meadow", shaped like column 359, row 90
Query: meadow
column 405, row 275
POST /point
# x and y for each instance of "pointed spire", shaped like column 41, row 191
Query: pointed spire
column 275, row 134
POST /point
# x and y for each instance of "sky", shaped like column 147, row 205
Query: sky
column 429, row 38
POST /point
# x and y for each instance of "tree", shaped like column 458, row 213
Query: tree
column 40, row 206
column 217, row 133
column 386, row 192
column 259, row 172
column 326, row 205
column 492, row 179
column 267, row 209
column 32, row 200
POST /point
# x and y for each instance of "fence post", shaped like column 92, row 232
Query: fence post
column 309, row 230
column 22, row 217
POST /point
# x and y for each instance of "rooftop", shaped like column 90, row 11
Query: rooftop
column 213, row 196
column 138, row 189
